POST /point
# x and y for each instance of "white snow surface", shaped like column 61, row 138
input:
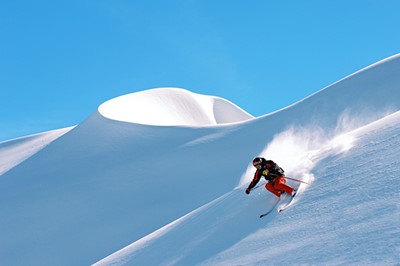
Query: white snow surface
column 172, row 106
column 15, row 151
column 158, row 177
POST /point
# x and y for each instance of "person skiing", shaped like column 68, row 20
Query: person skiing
column 273, row 174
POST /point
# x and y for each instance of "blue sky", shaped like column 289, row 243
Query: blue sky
column 59, row 60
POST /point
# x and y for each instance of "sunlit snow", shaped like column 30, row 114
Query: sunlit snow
column 158, row 178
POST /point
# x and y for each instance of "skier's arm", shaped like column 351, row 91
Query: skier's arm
column 257, row 177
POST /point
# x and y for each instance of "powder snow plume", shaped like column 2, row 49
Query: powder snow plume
column 298, row 149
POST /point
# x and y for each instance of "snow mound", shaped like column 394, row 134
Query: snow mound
column 172, row 107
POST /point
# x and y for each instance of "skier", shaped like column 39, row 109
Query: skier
column 273, row 174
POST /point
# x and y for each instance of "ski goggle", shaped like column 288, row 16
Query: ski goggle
column 256, row 163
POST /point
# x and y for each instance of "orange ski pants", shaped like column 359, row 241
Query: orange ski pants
column 278, row 185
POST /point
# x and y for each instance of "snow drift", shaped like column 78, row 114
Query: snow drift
column 169, row 107
column 157, row 178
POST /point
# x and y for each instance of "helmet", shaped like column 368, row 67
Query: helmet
column 258, row 161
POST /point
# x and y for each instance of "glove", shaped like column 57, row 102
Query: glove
column 248, row 191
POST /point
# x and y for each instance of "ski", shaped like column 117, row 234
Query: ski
column 287, row 205
column 283, row 199
column 280, row 209
column 265, row 214
column 269, row 211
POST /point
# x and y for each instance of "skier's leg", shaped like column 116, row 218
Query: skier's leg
column 280, row 184
column 270, row 187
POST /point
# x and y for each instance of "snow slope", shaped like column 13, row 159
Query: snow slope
column 15, row 151
column 346, row 215
column 157, row 178
column 349, row 216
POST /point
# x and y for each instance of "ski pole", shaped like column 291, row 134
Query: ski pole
column 297, row 180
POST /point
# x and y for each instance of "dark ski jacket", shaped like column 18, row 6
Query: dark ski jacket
column 273, row 171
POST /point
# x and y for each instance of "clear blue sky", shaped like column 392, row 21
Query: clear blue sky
column 59, row 60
